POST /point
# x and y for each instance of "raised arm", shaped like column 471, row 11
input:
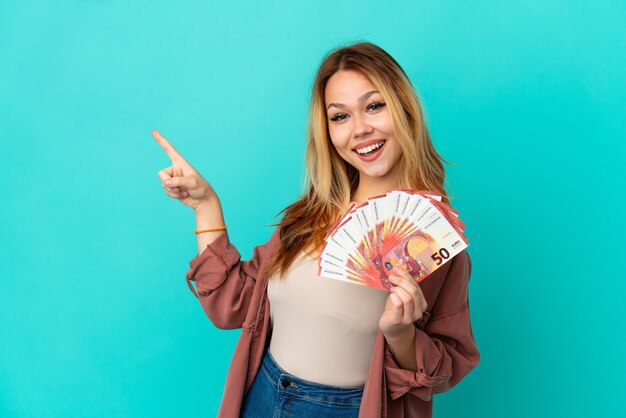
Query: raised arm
column 225, row 283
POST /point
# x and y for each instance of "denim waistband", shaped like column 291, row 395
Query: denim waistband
column 279, row 376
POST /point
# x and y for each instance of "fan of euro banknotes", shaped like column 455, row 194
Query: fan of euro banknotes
column 411, row 229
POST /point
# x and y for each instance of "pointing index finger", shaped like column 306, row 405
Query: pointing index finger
column 169, row 148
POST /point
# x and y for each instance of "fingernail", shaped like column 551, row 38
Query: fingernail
column 168, row 182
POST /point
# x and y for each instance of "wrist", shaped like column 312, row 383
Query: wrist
column 209, row 215
column 208, row 206
column 403, row 347
column 400, row 334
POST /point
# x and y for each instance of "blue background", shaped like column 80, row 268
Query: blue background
column 527, row 98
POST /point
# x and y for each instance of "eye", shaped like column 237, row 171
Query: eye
column 376, row 105
column 373, row 106
column 338, row 116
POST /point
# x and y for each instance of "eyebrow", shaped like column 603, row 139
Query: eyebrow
column 362, row 98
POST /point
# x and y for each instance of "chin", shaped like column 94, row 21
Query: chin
column 375, row 172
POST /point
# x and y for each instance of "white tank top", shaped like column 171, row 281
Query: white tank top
column 324, row 330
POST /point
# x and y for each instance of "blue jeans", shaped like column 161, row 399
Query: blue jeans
column 278, row 394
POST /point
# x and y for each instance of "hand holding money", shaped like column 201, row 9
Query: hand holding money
column 405, row 304
column 410, row 230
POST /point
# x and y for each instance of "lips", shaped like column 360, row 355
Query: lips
column 372, row 157
column 368, row 143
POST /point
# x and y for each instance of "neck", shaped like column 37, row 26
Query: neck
column 373, row 186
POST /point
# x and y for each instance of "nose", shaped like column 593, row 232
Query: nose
column 361, row 127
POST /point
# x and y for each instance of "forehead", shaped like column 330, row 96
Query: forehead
column 347, row 86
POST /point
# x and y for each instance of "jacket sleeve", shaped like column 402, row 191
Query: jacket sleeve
column 224, row 282
column 445, row 348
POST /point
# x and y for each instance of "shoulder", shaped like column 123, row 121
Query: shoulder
column 271, row 246
column 460, row 266
column 275, row 237
column 446, row 287
column 454, row 291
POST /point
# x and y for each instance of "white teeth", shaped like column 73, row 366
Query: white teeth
column 370, row 148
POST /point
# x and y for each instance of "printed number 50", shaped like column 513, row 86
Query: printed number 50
column 443, row 254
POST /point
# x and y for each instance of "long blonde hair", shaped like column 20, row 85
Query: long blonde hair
column 331, row 180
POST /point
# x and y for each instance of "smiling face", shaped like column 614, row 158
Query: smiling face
column 360, row 127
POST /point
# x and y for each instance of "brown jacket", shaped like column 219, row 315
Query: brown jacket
column 233, row 293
